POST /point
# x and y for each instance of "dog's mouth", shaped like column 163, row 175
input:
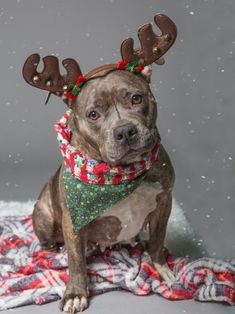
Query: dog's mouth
column 130, row 154
column 127, row 152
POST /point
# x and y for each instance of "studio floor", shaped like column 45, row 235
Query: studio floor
column 123, row 302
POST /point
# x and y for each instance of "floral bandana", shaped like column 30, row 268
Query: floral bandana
column 92, row 187
column 93, row 171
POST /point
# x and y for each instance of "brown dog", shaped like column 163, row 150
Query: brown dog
column 113, row 120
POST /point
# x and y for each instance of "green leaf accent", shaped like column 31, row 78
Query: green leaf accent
column 131, row 67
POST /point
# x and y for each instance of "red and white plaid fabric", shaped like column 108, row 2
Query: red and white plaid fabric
column 31, row 276
column 93, row 171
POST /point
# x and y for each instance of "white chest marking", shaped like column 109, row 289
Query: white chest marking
column 133, row 210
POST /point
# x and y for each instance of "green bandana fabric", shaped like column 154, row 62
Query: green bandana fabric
column 88, row 201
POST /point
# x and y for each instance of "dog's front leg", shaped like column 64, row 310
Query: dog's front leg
column 75, row 297
column 157, row 231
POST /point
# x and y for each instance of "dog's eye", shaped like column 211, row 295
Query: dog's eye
column 136, row 99
column 93, row 115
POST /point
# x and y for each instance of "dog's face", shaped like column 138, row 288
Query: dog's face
column 114, row 118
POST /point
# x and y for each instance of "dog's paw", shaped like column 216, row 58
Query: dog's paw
column 166, row 274
column 73, row 304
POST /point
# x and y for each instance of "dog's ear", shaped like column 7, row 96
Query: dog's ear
column 50, row 79
column 153, row 46
column 147, row 73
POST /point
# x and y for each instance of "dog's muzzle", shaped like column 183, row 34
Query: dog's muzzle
column 126, row 134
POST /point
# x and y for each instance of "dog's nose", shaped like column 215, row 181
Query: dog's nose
column 126, row 132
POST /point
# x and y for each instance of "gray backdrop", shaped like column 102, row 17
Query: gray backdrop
column 195, row 91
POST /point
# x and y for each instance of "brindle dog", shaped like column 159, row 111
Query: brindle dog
column 113, row 120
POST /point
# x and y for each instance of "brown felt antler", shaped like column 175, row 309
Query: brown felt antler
column 50, row 78
column 153, row 47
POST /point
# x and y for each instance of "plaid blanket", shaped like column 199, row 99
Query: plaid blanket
column 29, row 275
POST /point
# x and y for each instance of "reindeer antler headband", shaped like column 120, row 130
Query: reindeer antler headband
column 153, row 47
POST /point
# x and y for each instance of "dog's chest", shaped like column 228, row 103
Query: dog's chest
column 130, row 213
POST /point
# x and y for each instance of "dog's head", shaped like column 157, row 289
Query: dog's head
column 114, row 117
column 114, row 111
